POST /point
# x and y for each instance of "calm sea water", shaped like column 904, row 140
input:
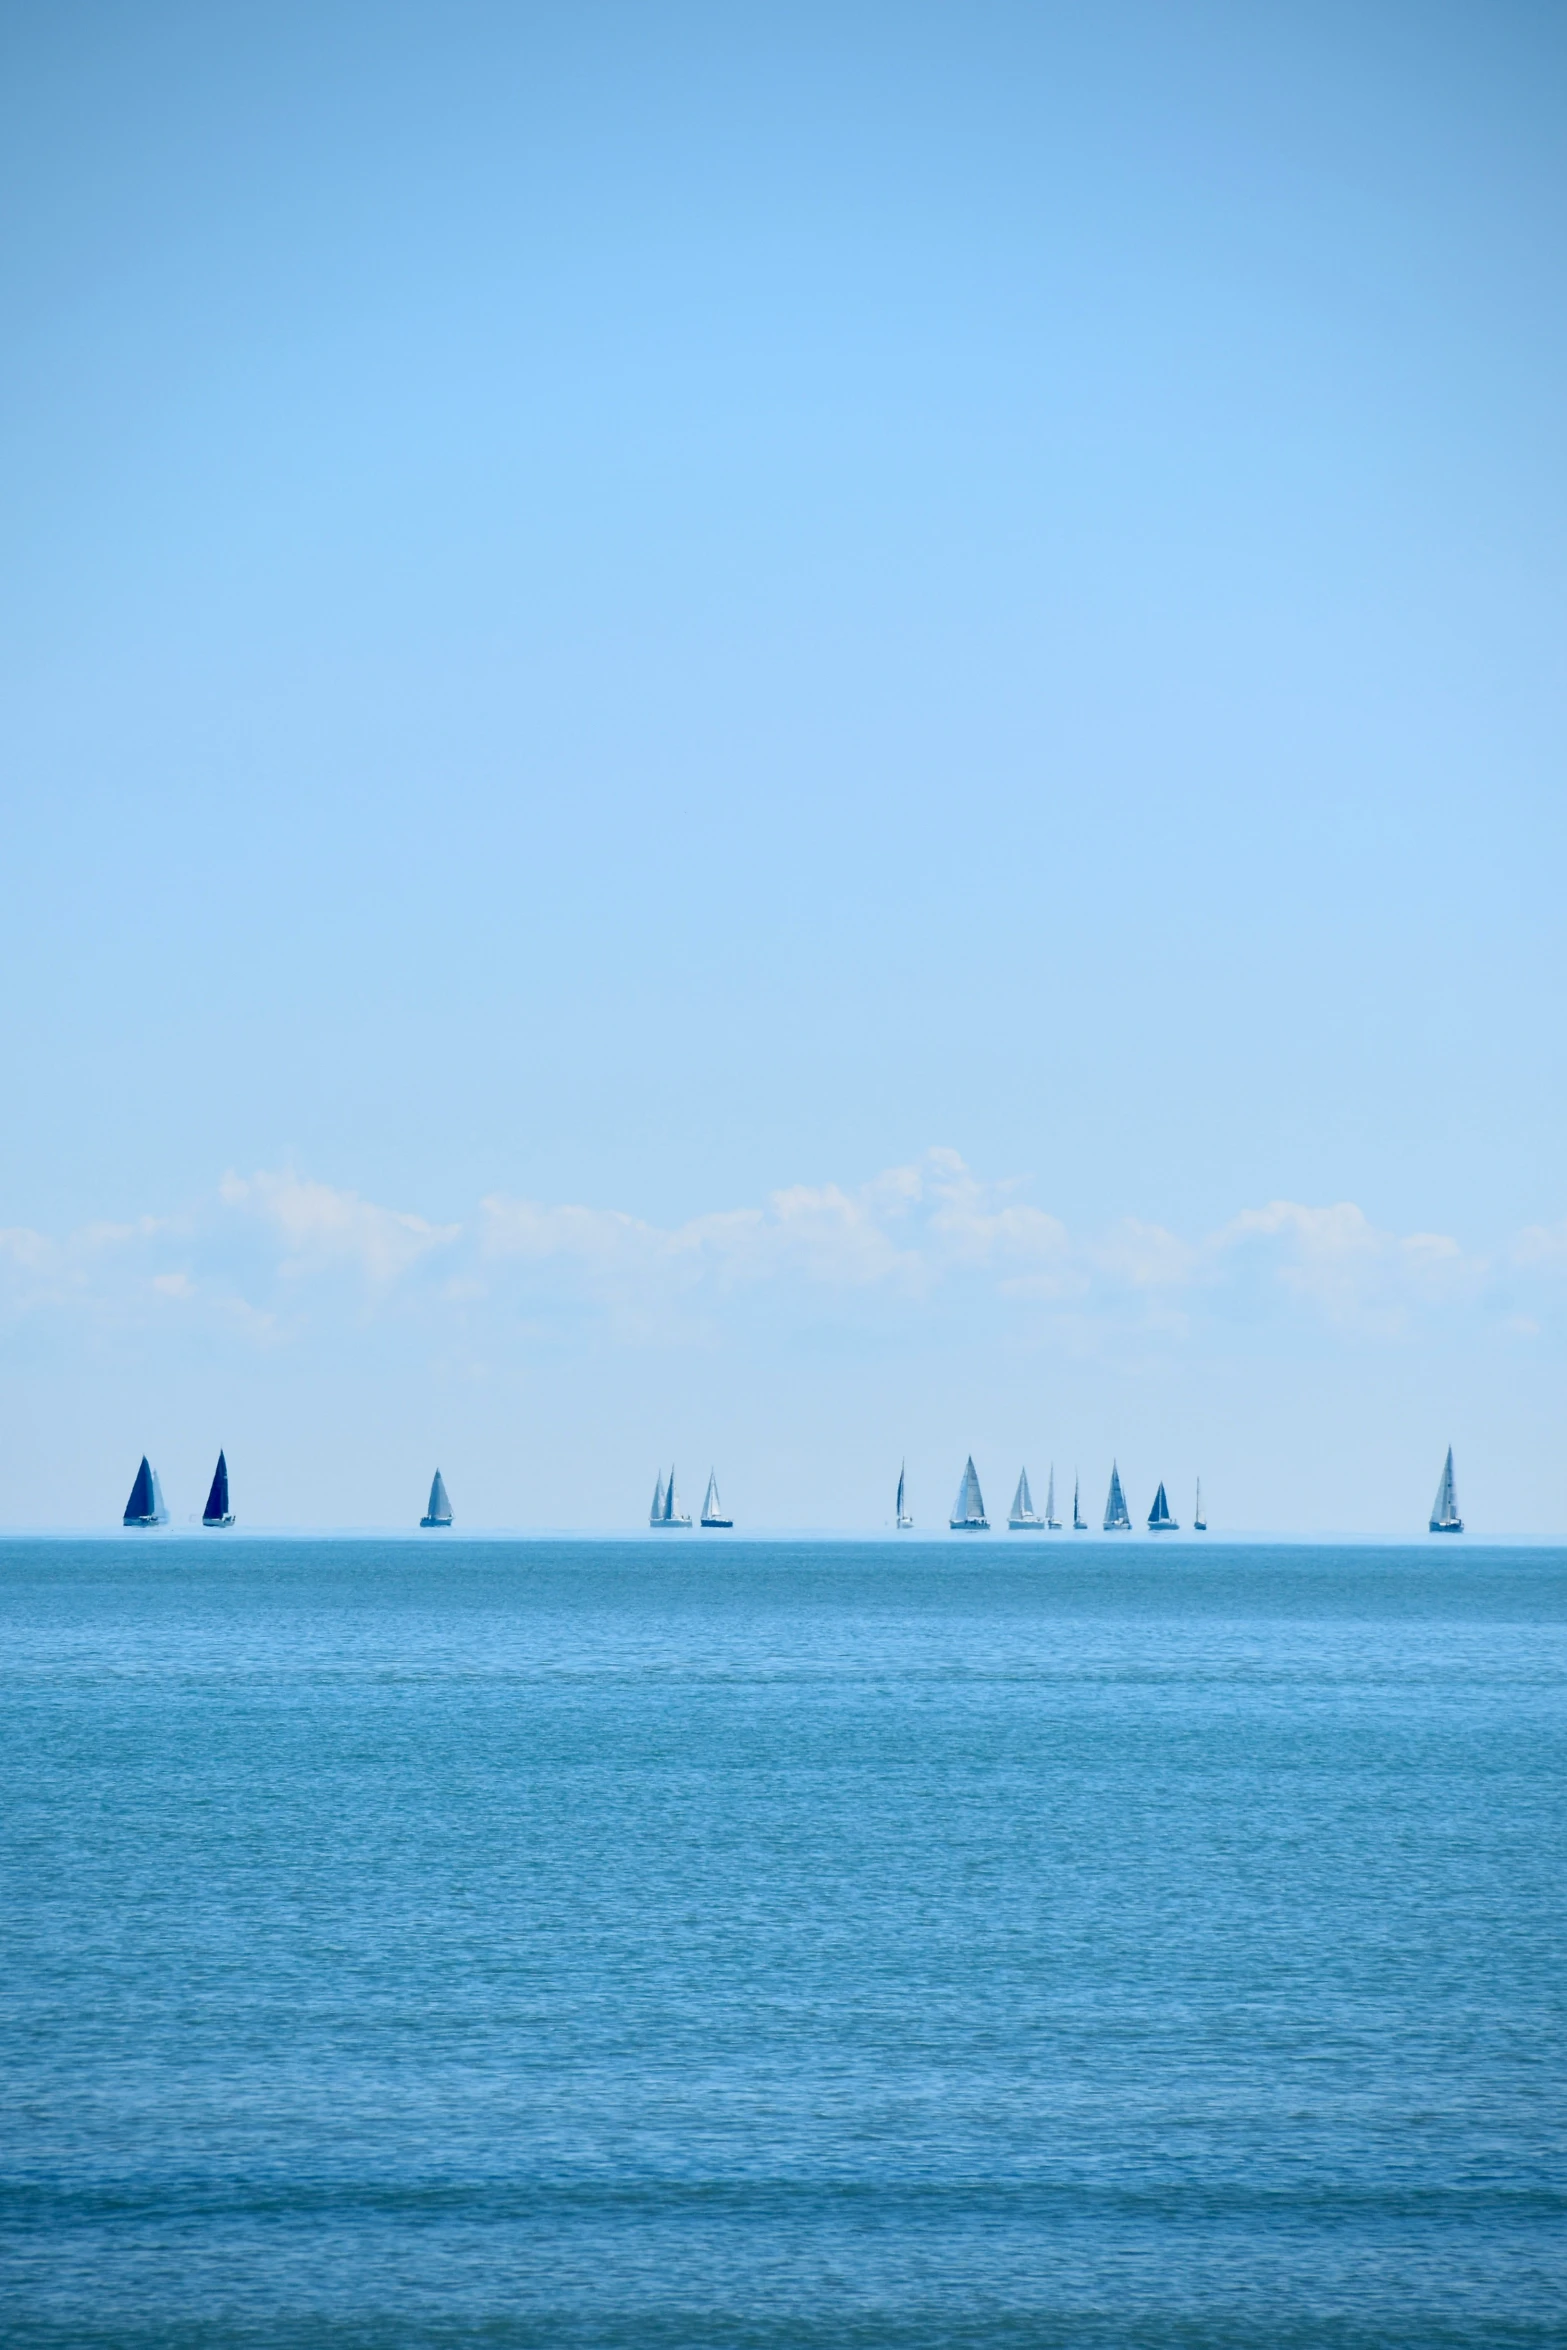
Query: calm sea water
column 803, row 1944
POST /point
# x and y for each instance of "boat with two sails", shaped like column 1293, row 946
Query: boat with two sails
column 968, row 1511
column 1118, row 1518
column 1159, row 1518
column 713, row 1512
column 666, row 1510
column 146, row 1506
column 1022, row 1517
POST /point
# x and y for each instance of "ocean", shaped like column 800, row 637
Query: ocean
column 693, row 1941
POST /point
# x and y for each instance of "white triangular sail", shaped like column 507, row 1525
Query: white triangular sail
column 655, row 1516
column 1444, row 1510
column 968, row 1511
column 1118, row 1518
column 674, row 1515
column 903, row 1516
column 712, row 1507
column 1051, row 1520
column 439, row 1512
column 1023, row 1512
column 1198, row 1520
column 1079, row 1522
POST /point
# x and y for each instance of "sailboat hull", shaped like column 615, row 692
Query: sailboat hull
column 228, row 1521
column 1455, row 1526
column 1027, row 1526
column 718, row 1521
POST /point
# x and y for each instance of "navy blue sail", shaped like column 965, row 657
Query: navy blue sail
column 217, row 1511
column 145, row 1507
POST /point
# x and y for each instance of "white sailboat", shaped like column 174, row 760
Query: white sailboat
column 1444, row 1510
column 904, row 1514
column 439, row 1512
column 1023, row 1517
column 1079, row 1522
column 666, row 1510
column 968, row 1511
column 1159, row 1518
column 1051, row 1520
column 1118, row 1518
column 713, row 1508
column 1199, row 1522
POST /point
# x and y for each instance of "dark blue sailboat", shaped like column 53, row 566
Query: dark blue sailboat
column 145, row 1507
column 439, row 1512
column 217, row 1511
column 1159, row 1518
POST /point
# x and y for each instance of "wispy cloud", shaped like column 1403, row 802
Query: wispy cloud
column 1356, row 1274
column 1543, row 1246
column 260, row 1255
column 321, row 1226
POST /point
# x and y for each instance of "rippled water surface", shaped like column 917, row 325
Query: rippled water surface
column 693, row 1942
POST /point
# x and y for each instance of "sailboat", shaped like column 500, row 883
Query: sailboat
column 1023, row 1517
column 146, row 1505
column 439, row 1512
column 1079, row 1522
column 713, row 1508
column 217, row 1511
column 1051, row 1520
column 1118, row 1518
column 666, row 1510
column 968, row 1511
column 1159, row 1518
column 1444, row 1510
column 905, row 1515
column 1199, row 1522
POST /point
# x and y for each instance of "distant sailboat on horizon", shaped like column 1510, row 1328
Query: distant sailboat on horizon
column 1444, row 1510
column 439, row 1512
column 1023, row 1517
column 146, row 1505
column 713, row 1508
column 905, row 1517
column 968, row 1511
column 217, row 1511
column 1159, row 1518
column 1079, row 1522
column 1051, row 1520
column 1199, row 1522
column 1118, row 1518
column 666, row 1510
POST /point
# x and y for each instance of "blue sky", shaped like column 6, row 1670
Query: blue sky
column 781, row 736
